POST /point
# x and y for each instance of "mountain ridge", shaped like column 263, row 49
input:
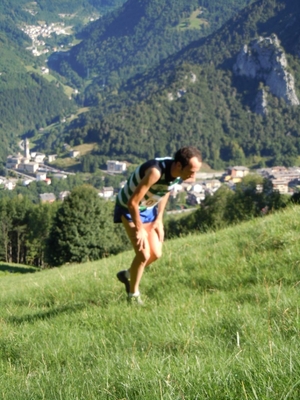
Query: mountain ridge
column 215, row 113
column 140, row 34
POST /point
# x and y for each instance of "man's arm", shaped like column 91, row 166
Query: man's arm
column 158, row 223
column 162, row 205
column 152, row 175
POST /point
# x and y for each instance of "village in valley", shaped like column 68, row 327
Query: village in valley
column 38, row 33
column 28, row 166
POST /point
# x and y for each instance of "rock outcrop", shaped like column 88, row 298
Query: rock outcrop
column 261, row 103
column 181, row 92
column 263, row 59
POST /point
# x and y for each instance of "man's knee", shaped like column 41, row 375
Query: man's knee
column 143, row 255
column 157, row 253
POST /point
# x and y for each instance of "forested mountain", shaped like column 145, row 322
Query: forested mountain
column 27, row 100
column 140, row 34
column 196, row 97
column 18, row 11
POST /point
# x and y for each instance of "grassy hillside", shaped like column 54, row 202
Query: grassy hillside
column 221, row 321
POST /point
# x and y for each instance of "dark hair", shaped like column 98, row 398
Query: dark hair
column 184, row 155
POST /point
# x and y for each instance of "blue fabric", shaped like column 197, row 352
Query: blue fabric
column 147, row 215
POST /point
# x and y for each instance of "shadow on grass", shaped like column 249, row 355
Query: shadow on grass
column 20, row 270
column 44, row 315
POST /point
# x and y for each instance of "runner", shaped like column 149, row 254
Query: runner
column 140, row 206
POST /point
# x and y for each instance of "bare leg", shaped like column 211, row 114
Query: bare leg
column 155, row 246
column 143, row 257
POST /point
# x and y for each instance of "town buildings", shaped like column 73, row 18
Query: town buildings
column 284, row 180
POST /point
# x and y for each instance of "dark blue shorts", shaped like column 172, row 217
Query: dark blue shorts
column 148, row 215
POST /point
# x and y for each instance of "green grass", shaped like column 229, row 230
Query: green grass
column 193, row 22
column 67, row 164
column 50, row 78
column 221, row 321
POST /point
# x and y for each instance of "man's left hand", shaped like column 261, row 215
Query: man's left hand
column 159, row 229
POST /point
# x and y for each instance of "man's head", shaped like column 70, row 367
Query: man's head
column 188, row 161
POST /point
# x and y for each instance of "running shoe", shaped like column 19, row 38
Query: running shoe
column 135, row 300
column 121, row 275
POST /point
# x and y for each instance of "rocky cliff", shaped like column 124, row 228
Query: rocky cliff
column 263, row 59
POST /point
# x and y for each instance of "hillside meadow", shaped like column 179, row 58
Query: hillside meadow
column 220, row 321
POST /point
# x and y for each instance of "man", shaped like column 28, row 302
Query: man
column 140, row 206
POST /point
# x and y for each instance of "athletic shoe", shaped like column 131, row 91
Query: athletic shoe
column 121, row 275
column 135, row 300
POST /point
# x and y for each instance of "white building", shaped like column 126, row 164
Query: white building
column 74, row 153
column 26, row 182
column 13, row 162
column 41, row 176
column 197, row 188
column 52, row 157
column 59, row 176
column 106, row 192
column 30, row 167
column 38, row 157
column 116, row 166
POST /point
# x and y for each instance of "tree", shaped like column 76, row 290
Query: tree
column 83, row 229
column 40, row 220
column 13, row 227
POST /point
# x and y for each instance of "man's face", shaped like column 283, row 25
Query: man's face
column 190, row 170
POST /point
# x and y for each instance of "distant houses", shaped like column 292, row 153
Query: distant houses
column 283, row 179
column 30, row 166
column 21, row 163
column 27, row 162
column 280, row 185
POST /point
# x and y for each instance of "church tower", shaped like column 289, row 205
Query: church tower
column 26, row 149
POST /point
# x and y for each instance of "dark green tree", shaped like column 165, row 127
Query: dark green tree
column 40, row 220
column 83, row 229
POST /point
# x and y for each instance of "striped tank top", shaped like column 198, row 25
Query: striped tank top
column 164, row 185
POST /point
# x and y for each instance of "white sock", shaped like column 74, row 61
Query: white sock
column 136, row 294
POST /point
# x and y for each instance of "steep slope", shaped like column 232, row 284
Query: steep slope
column 28, row 101
column 195, row 97
column 226, row 326
column 49, row 11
